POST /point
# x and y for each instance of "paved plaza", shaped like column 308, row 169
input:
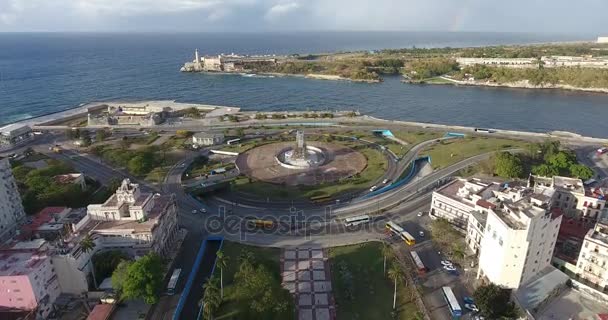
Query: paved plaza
column 306, row 275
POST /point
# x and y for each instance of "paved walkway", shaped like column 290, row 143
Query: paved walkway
column 306, row 275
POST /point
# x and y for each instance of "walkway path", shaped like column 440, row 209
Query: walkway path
column 306, row 275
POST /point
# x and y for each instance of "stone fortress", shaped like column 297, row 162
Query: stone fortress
column 225, row 63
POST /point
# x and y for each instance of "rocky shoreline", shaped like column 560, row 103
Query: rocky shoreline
column 523, row 84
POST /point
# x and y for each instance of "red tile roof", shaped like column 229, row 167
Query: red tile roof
column 101, row 312
column 44, row 216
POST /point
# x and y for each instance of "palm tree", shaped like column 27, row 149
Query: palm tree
column 387, row 252
column 86, row 245
column 395, row 274
column 211, row 300
column 221, row 261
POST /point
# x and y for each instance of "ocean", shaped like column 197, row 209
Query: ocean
column 42, row 73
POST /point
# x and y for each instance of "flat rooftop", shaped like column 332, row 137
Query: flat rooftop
column 22, row 258
column 156, row 212
column 572, row 304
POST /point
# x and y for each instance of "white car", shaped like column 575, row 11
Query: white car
column 471, row 307
column 421, row 234
column 420, row 214
column 373, row 188
column 203, row 210
column 446, row 263
column 385, row 181
column 449, row 268
column 194, row 212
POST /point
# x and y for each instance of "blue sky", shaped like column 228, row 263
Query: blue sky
column 548, row 16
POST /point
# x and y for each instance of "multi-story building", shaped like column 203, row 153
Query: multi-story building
column 207, row 139
column 500, row 62
column 592, row 263
column 455, row 200
column 11, row 209
column 573, row 197
column 519, row 237
column 14, row 135
column 27, row 278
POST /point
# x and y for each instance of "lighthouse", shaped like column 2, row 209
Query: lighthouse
column 196, row 57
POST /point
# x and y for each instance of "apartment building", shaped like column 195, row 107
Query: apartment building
column 592, row 264
column 11, row 209
column 455, row 200
column 27, row 278
column 519, row 237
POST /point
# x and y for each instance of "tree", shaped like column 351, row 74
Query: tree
column 85, row 138
column 119, row 275
column 183, row 133
column 495, row 302
column 581, row 171
column 545, row 170
column 144, row 279
column 87, row 245
column 256, row 288
column 508, row 165
column 561, row 161
column 221, row 261
column 107, row 261
column 395, row 274
column 101, row 135
column 387, row 252
column 211, row 299
column 240, row 132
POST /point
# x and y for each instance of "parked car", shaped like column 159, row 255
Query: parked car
column 373, row 188
column 471, row 307
column 449, row 268
column 385, row 181
column 421, row 234
column 421, row 213
column 446, row 263
column 194, row 211
column 203, row 210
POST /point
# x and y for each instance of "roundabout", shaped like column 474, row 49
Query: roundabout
column 301, row 163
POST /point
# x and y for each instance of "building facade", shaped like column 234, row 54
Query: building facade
column 207, row 139
column 519, row 237
column 14, row 135
column 592, row 264
column 28, row 279
column 11, row 209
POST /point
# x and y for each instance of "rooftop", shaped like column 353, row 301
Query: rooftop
column 533, row 293
column 599, row 233
column 101, row 312
column 570, row 184
column 43, row 217
column 67, row 178
column 22, row 258
column 156, row 212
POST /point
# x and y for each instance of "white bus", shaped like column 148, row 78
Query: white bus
column 418, row 262
column 453, row 305
column 173, row 281
column 233, row 141
column 353, row 221
column 394, row 228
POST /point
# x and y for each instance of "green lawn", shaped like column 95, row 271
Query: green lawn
column 449, row 152
column 368, row 294
column 269, row 257
column 376, row 166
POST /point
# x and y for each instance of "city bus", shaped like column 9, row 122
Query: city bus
column 173, row 281
column 453, row 305
column 353, row 221
column 233, row 141
column 318, row 199
column 407, row 237
column 418, row 262
column 259, row 223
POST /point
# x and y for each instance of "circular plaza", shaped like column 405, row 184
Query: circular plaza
column 317, row 163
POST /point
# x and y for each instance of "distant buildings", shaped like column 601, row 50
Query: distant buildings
column 499, row 62
column 11, row 209
column 602, row 39
column 547, row 62
column 207, row 139
column 225, row 63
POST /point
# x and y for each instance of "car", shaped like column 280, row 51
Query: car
column 385, row 181
column 421, row 234
column 194, row 211
column 449, row 268
column 468, row 300
column 446, row 263
column 373, row 188
column 203, row 210
column 421, row 213
column 478, row 317
column 471, row 307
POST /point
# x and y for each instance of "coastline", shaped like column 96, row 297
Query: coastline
column 523, row 84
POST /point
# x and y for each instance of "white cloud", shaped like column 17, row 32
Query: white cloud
column 280, row 9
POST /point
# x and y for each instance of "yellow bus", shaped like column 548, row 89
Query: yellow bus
column 258, row 223
column 319, row 199
column 398, row 231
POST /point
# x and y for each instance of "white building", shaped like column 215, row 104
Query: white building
column 207, row 139
column 14, row 135
column 602, row 39
column 592, row 264
column 11, row 209
column 574, row 61
column 519, row 237
column 455, row 200
column 572, row 196
column 499, row 62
